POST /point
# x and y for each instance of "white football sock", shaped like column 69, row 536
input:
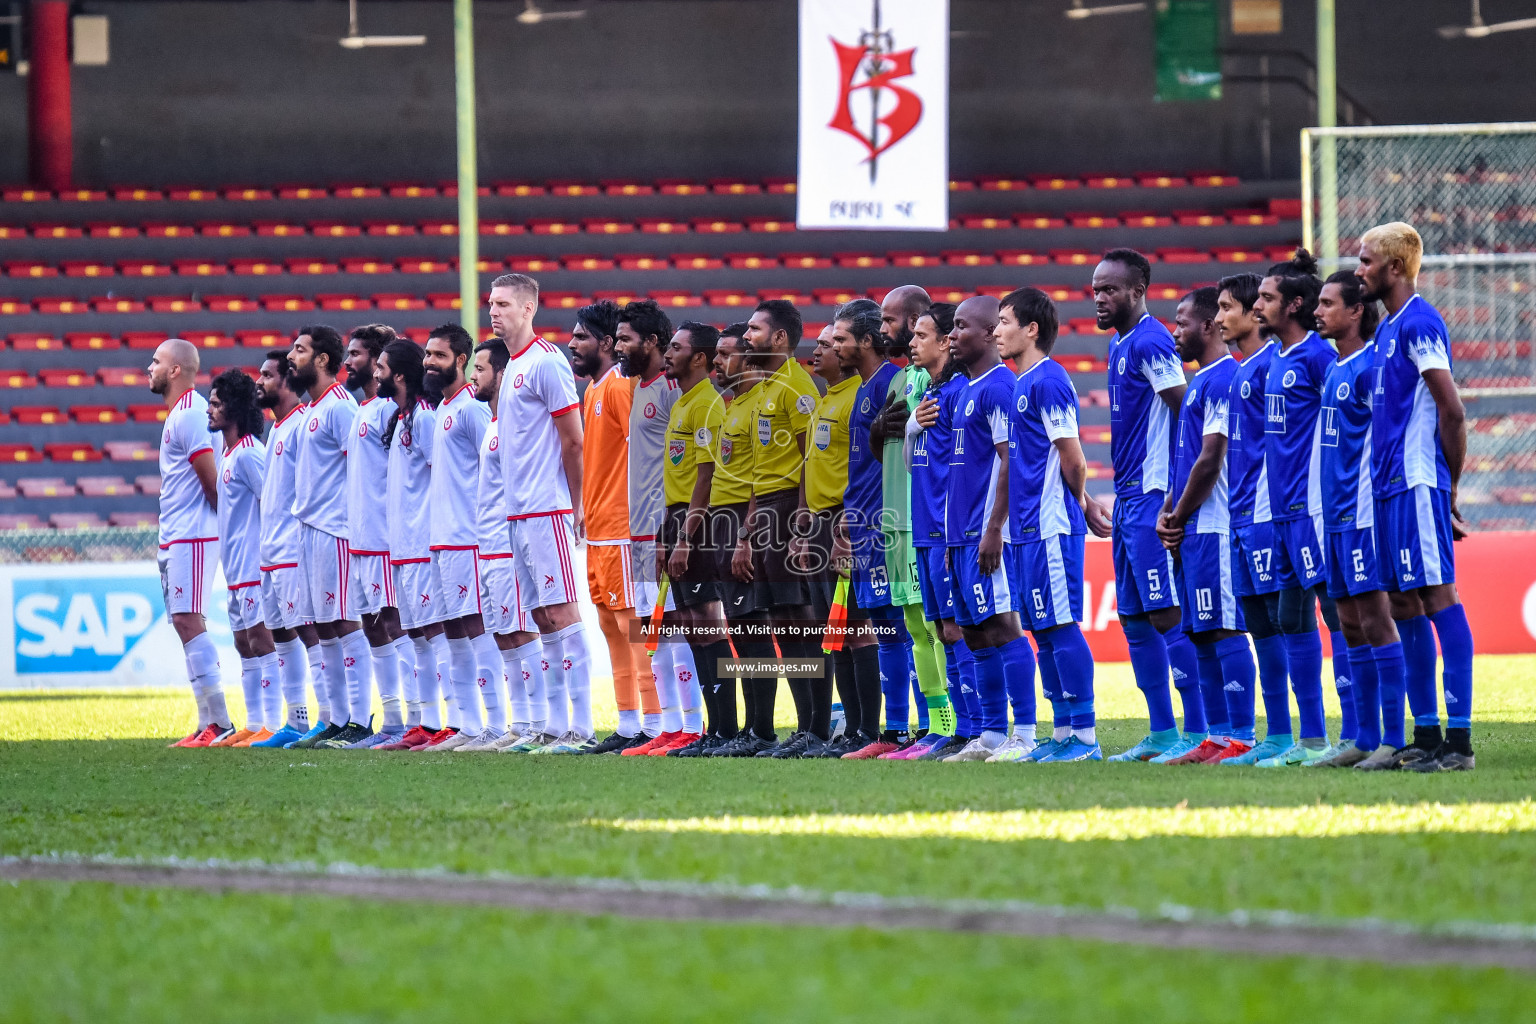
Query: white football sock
column 405, row 664
column 528, row 685
column 271, row 692
column 317, row 682
column 290, row 672
column 443, row 688
column 250, row 688
column 333, row 668
column 359, row 665
column 689, row 693
column 466, row 690
column 203, row 663
column 492, row 679
column 386, row 673
column 651, row 724
column 552, row 662
column 427, row 710
column 629, row 723
column 578, row 676
column 666, row 687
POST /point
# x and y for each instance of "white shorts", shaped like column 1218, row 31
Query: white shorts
column 186, row 575
column 646, row 593
column 456, row 582
column 416, row 594
column 500, row 609
column 326, row 569
column 281, row 597
column 370, row 585
column 544, row 556
column 245, row 606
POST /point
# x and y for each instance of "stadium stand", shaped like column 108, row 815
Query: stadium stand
column 89, row 286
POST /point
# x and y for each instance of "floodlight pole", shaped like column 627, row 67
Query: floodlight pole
column 469, row 181
column 1327, row 117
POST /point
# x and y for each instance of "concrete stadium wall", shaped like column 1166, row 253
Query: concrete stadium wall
column 260, row 92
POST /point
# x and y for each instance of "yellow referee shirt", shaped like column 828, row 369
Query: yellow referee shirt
column 784, row 410
column 732, row 483
column 826, row 450
column 692, row 427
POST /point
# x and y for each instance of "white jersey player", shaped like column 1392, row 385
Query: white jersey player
column 189, row 546
column 540, row 438
column 320, row 504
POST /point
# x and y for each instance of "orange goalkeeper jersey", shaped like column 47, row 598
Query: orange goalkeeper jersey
column 605, row 463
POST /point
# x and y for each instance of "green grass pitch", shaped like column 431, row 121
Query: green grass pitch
column 1329, row 844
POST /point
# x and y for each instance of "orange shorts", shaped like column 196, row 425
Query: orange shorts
column 609, row 575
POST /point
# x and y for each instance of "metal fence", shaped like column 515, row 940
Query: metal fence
column 110, row 544
column 1470, row 191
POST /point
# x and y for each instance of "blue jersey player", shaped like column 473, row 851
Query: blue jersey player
column 861, row 351
column 1047, row 477
column 976, row 533
column 1293, row 390
column 1146, row 387
column 1195, row 525
column 1253, row 533
column 1419, row 439
column 1349, row 515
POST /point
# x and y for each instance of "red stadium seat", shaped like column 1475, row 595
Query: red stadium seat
column 366, row 266
column 28, row 268
column 833, row 296
column 35, row 342
column 122, row 377
column 247, row 194
column 246, row 267
column 279, row 229
column 677, row 299
column 1235, row 254
column 17, row 379
column 439, row 228
column 137, row 195
column 859, row 260
column 11, row 453
column 410, row 191
column 220, row 229
column 959, row 258
column 310, row 266
column 1053, row 184
column 173, row 304
column 750, row 260
column 1084, row 325
column 1197, row 219
column 36, row 415
column 1092, row 220
column 143, row 339
column 1160, row 181
column 91, row 340
column 334, row 302
column 586, row 262
column 788, row 294
column 805, row 261
column 729, row 297
column 284, row 303
column 87, row 268
column 1039, row 222
column 1182, row 255
column 59, row 377
column 9, row 231
column 200, row 268
column 333, row 229
column 209, row 339
column 733, row 187
column 944, row 294
column 1212, row 180
column 1003, row 184
column 56, row 304
column 147, row 413
column 195, row 195
column 1020, row 258
column 1074, row 257
column 103, row 486
column 134, row 519
column 444, row 300
column 169, row 230
column 398, row 301
column 1145, row 219
column 1110, row 181
column 696, row 261
column 113, row 230
column 388, row 228
column 606, row 226
column 519, row 189
column 770, row 226
column 1252, row 217
column 71, row 451
column 985, row 222
column 143, row 268
column 679, row 187
column 20, row 522
column 117, row 305
column 130, row 451
column 532, row 264
column 1165, row 291
column 97, row 414
column 148, row 485
column 502, row 227
column 659, row 226
column 780, row 186
column 633, row 262
column 553, row 227
column 56, row 231
column 618, row 298
column 262, row 339
column 483, row 265
column 420, row 334
column 356, row 192
column 707, row 226
column 425, row 266
column 625, row 188
column 559, row 187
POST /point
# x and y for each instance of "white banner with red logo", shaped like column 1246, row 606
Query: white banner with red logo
column 874, row 114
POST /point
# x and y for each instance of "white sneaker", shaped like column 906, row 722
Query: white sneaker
column 976, row 750
column 506, row 739
column 453, row 742
column 484, row 743
column 1012, row 749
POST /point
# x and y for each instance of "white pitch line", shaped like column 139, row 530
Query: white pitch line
column 1465, row 944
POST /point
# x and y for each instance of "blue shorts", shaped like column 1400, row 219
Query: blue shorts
column 871, row 583
column 1413, row 535
column 934, row 582
column 1253, row 560
column 1047, row 581
column 1207, row 592
column 1299, row 553
column 978, row 597
column 1143, row 567
column 1352, row 563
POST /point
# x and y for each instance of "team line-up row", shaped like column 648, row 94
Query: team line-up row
column 917, row 510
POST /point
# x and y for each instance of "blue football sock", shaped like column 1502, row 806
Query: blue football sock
column 1418, row 637
column 919, row 701
column 1389, row 677
column 1274, row 682
column 970, row 693
column 1237, row 674
column 1367, row 694
column 1074, row 668
column 1185, row 666
column 1149, row 664
column 1019, row 677
column 1304, row 655
column 992, row 690
column 1212, row 701
column 952, row 680
column 1456, row 652
column 893, row 645
column 1343, row 680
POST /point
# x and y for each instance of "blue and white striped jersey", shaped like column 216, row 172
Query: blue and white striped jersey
column 1247, row 483
column 1142, row 362
column 1293, row 394
column 1205, row 411
column 930, row 467
column 1044, row 410
column 980, row 424
column 1348, row 501
column 1406, row 425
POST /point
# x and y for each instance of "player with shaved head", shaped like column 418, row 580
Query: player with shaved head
column 189, row 530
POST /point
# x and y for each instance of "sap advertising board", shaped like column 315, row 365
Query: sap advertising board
column 96, row 625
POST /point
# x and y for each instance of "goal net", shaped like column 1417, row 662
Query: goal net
column 1470, row 191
